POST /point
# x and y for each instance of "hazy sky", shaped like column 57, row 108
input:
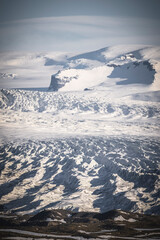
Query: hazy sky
column 77, row 25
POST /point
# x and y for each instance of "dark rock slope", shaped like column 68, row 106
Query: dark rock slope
column 64, row 224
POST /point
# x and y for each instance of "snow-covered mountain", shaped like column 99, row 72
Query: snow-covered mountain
column 98, row 69
column 94, row 150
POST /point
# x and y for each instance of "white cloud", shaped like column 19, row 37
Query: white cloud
column 76, row 33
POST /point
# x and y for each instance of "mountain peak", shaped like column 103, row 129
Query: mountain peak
column 97, row 69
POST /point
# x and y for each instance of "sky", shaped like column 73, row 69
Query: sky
column 77, row 25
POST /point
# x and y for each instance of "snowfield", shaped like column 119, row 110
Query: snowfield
column 49, row 114
column 90, row 142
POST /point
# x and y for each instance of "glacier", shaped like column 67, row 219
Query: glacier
column 90, row 142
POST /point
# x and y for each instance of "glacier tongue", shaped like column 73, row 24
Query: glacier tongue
column 92, row 150
column 85, row 174
column 84, row 151
column 110, row 175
